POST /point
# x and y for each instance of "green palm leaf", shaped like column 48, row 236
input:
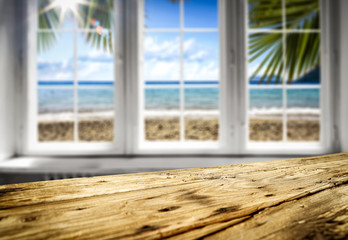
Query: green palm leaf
column 302, row 52
column 99, row 10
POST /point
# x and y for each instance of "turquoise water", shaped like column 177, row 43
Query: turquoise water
column 62, row 100
column 295, row 98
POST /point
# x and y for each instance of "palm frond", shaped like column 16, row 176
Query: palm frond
column 302, row 51
column 99, row 10
column 47, row 19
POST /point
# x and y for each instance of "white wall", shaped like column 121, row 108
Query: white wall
column 7, row 78
column 343, row 74
column 10, row 72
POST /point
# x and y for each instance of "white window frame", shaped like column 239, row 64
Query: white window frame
column 182, row 146
column 31, row 145
column 326, row 141
column 233, row 91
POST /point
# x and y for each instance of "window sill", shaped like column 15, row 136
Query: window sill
column 112, row 165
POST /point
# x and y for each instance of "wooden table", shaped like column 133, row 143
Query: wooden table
column 288, row 199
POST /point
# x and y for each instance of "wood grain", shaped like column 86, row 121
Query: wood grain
column 275, row 199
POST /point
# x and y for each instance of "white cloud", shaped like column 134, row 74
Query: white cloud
column 95, row 71
column 198, row 55
column 162, row 70
column 189, row 44
column 199, row 71
column 53, row 70
column 161, row 49
column 98, row 54
column 162, row 60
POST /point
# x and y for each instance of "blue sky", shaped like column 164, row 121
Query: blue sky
column 162, row 50
column 57, row 64
column 162, row 56
column 197, row 14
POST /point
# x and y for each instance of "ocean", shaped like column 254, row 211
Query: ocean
column 58, row 100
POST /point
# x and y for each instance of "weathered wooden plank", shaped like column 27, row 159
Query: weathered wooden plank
column 178, row 204
column 43, row 192
column 319, row 216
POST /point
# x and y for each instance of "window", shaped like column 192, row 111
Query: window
column 73, row 85
column 284, row 73
column 178, row 76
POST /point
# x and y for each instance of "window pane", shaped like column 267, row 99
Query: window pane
column 96, row 114
column 303, row 58
column 161, row 114
column 302, row 14
column 201, row 57
column 265, row 114
column 266, row 14
column 95, row 63
column 201, row 14
column 162, row 99
column 55, row 64
column 55, row 115
column 303, row 98
column 202, row 129
column 303, row 113
column 96, row 14
column 55, row 14
column 201, row 80
column 162, row 56
column 162, row 129
column 202, row 113
column 202, row 98
column 265, row 59
column 162, row 14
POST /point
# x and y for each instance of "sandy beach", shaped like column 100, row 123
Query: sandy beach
column 272, row 130
column 168, row 129
column 88, row 130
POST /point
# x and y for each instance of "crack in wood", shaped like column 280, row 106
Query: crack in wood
column 251, row 215
column 5, row 191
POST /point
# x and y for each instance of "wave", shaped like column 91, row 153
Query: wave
column 292, row 113
column 187, row 113
column 70, row 116
column 273, row 113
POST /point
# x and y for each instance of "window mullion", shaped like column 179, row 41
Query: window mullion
column 75, row 85
column 182, row 94
column 284, row 117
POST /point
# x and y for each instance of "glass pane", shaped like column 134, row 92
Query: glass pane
column 161, row 57
column 56, row 14
column 302, row 130
column 303, row 58
column 265, row 59
column 266, row 14
column 96, row 14
column 201, row 57
column 196, row 9
column 55, row 63
column 303, row 99
column 265, row 114
column 202, row 114
column 162, row 99
column 303, row 108
column 162, row 14
column 55, row 115
column 161, row 109
column 202, row 98
column 94, row 63
column 302, row 14
column 162, row 129
column 202, row 129
column 96, row 114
